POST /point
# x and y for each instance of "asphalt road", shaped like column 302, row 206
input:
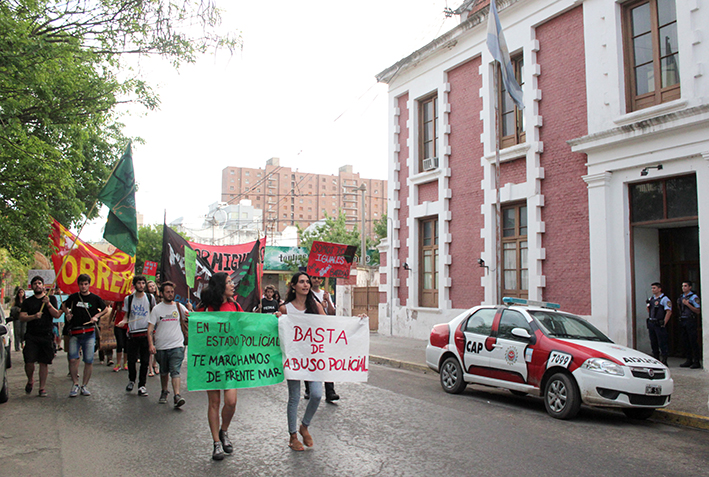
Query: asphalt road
column 400, row 423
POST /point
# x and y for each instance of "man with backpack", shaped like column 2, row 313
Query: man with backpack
column 137, row 308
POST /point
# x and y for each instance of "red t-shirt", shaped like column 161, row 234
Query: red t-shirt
column 228, row 306
column 118, row 306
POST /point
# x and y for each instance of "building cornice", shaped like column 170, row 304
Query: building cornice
column 660, row 123
column 444, row 42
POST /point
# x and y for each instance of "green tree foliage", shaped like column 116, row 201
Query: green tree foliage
column 380, row 230
column 12, row 271
column 150, row 245
column 63, row 72
column 334, row 230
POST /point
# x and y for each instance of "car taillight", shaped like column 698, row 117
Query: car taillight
column 440, row 336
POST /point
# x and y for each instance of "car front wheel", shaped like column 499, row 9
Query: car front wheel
column 561, row 397
column 452, row 376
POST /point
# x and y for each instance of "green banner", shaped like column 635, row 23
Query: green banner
column 278, row 258
column 230, row 350
column 190, row 266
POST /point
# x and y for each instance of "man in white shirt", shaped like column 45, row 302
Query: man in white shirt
column 137, row 308
column 168, row 342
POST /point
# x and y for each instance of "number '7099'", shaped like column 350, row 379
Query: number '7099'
column 559, row 359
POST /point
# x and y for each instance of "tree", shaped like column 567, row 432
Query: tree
column 150, row 245
column 380, row 230
column 63, row 72
column 334, row 230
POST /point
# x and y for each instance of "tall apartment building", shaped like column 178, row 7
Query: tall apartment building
column 290, row 197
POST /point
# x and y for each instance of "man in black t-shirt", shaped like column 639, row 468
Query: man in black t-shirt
column 82, row 311
column 269, row 304
column 38, row 311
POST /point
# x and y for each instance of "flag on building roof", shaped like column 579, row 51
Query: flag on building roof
column 498, row 47
column 119, row 195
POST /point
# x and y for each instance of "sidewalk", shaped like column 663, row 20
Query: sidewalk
column 689, row 400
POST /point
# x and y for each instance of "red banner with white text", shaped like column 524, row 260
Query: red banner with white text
column 111, row 274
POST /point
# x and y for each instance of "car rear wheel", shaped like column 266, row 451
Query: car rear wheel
column 3, row 392
column 638, row 413
column 452, row 376
column 561, row 397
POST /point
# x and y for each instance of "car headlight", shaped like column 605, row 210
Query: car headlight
column 601, row 365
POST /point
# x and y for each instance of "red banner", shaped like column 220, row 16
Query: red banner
column 226, row 258
column 330, row 259
column 111, row 274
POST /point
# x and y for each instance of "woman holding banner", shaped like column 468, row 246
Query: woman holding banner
column 299, row 301
column 219, row 296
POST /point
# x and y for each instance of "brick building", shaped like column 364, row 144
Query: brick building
column 290, row 197
column 612, row 90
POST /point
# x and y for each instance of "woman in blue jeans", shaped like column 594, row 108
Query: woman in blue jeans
column 299, row 301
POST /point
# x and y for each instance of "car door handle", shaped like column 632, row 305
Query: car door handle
column 497, row 345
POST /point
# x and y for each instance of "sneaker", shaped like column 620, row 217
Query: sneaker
column 130, row 386
column 116, row 369
column 125, row 367
column 42, row 393
column 180, row 401
column 74, row 391
column 226, row 443
column 218, row 452
column 332, row 397
column 163, row 397
column 85, row 391
column 142, row 391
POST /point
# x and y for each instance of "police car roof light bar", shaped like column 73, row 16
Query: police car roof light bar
column 521, row 301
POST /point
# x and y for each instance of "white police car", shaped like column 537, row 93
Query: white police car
column 533, row 348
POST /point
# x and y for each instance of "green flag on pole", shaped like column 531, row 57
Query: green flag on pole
column 119, row 195
column 190, row 266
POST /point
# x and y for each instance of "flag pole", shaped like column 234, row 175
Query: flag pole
column 76, row 237
column 498, row 207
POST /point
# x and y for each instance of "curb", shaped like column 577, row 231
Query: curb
column 678, row 418
column 396, row 363
column 681, row 418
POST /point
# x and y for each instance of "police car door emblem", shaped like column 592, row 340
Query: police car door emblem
column 511, row 355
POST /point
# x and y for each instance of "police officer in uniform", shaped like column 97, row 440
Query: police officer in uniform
column 688, row 305
column 659, row 309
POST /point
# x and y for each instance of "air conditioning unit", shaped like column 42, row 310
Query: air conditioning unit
column 430, row 163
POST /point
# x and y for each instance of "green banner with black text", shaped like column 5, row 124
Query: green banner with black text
column 233, row 350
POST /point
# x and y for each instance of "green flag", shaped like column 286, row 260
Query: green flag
column 119, row 195
column 190, row 266
column 246, row 280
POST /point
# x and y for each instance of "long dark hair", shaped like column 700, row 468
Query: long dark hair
column 18, row 301
column 213, row 295
column 310, row 301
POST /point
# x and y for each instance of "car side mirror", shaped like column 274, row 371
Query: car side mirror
column 521, row 333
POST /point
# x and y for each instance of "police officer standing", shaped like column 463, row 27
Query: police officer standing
column 688, row 310
column 659, row 309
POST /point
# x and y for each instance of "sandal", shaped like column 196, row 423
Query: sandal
column 150, row 373
column 295, row 443
column 307, row 438
column 28, row 387
column 42, row 393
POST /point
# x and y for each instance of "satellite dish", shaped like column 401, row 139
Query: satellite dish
column 219, row 217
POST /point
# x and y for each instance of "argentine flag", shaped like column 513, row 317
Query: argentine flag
column 498, row 47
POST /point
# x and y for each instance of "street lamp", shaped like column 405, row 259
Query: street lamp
column 363, row 254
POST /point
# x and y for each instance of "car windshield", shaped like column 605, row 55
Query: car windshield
column 564, row 325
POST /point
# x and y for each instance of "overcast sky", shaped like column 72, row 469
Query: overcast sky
column 302, row 89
